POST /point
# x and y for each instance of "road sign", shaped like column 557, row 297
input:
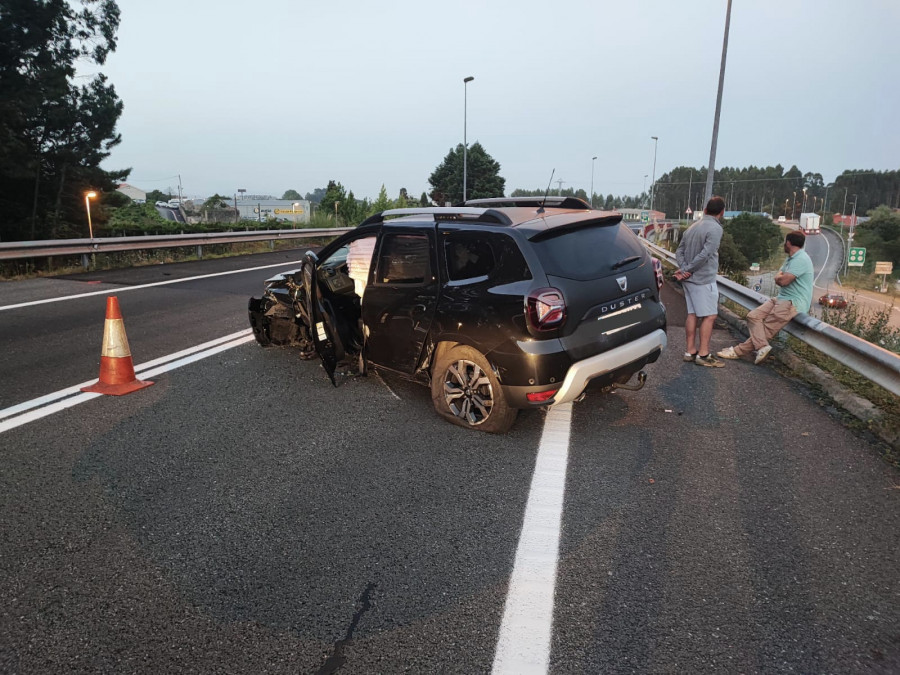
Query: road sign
column 857, row 257
column 884, row 267
column 754, row 267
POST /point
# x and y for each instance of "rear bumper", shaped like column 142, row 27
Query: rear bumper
column 582, row 372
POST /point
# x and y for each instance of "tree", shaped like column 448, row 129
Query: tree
column 316, row 196
column 382, row 203
column 291, row 194
column 423, row 200
column 54, row 133
column 333, row 193
column 217, row 201
column 880, row 235
column 158, row 196
column 482, row 176
column 732, row 262
column 756, row 237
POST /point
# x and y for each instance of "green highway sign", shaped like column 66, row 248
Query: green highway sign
column 857, row 257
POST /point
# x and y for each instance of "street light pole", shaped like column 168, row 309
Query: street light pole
column 465, row 140
column 794, row 205
column 653, row 182
column 88, row 196
column 711, row 172
column 593, row 159
column 294, row 214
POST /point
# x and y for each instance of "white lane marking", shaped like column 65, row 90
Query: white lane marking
column 122, row 289
column 387, row 387
column 69, row 391
column 524, row 642
column 825, row 264
column 60, row 403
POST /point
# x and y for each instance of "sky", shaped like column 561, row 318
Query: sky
column 289, row 94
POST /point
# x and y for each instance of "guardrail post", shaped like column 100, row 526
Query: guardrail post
column 84, row 260
column 200, row 252
column 271, row 244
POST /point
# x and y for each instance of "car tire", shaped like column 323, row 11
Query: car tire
column 465, row 391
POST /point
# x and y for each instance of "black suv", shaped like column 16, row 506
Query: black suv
column 497, row 305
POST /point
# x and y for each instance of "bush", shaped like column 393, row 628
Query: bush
column 756, row 237
column 870, row 325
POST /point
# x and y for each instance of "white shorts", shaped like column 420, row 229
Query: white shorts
column 701, row 299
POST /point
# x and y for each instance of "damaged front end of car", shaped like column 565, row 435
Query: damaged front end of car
column 280, row 317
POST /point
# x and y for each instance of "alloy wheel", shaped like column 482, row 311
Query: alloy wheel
column 468, row 392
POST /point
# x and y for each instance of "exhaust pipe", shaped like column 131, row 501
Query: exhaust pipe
column 642, row 380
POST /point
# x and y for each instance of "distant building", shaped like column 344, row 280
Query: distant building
column 131, row 191
column 295, row 211
column 640, row 215
column 847, row 221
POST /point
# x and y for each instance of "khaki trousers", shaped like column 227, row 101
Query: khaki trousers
column 763, row 322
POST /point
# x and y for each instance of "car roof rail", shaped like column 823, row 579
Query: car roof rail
column 444, row 213
column 554, row 201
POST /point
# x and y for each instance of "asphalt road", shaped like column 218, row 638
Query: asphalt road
column 243, row 515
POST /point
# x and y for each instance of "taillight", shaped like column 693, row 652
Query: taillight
column 541, row 396
column 657, row 267
column 546, row 309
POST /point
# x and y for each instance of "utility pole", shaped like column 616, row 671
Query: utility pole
column 179, row 189
column 711, row 172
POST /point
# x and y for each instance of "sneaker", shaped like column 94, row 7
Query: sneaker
column 762, row 354
column 709, row 361
column 728, row 353
column 689, row 357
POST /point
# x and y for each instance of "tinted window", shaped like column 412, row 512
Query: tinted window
column 468, row 256
column 403, row 259
column 589, row 252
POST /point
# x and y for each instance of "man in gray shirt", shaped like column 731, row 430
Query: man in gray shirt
column 698, row 265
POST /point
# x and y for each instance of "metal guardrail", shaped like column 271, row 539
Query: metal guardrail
column 17, row 250
column 871, row 361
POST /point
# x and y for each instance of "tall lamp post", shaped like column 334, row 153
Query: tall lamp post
column 593, row 159
column 294, row 214
column 653, row 181
column 793, row 204
column 803, row 208
column 88, row 196
column 711, row 171
column 466, row 81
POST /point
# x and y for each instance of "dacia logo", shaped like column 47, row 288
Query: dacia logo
column 623, row 283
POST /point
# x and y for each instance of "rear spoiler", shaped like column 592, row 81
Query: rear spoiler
column 550, row 232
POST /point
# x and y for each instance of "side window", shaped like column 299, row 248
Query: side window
column 404, row 259
column 469, row 256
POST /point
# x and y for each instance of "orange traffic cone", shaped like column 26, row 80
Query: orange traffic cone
column 116, row 367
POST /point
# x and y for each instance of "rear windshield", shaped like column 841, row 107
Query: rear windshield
column 588, row 252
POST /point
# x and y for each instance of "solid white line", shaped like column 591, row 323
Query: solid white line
column 827, row 256
column 69, row 391
column 122, row 289
column 524, row 642
column 59, row 401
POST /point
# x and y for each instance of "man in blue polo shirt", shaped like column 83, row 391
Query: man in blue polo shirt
column 795, row 291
